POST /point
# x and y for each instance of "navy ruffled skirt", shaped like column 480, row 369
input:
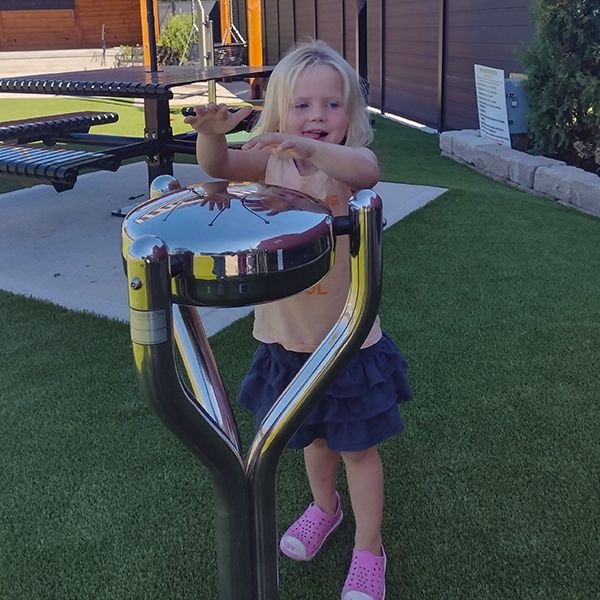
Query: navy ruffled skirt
column 358, row 411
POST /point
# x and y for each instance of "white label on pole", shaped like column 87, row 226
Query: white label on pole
column 148, row 327
column 491, row 104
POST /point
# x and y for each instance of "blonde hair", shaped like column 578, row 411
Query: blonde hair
column 284, row 76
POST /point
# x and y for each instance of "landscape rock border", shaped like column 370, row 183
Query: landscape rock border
column 537, row 174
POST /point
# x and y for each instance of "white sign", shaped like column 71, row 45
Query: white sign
column 491, row 104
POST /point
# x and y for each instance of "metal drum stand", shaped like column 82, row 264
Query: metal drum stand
column 239, row 245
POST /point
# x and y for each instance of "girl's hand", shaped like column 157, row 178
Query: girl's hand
column 216, row 119
column 283, row 145
column 216, row 195
column 268, row 204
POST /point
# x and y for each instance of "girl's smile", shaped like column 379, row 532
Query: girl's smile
column 317, row 108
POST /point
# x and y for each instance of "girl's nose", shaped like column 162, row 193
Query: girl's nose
column 317, row 113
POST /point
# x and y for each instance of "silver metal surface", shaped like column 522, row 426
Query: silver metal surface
column 136, row 283
column 201, row 369
column 237, row 245
column 313, row 379
column 164, row 388
column 188, row 394
column 163, row 184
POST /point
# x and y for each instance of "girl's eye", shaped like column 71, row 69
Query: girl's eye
column 300, row 106
column 334, row 105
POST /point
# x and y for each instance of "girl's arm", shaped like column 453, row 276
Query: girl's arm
column 212, row 122
column 356, row 167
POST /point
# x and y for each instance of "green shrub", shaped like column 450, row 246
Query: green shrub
column 129, row 56
column 175, row 38
column 563, row 69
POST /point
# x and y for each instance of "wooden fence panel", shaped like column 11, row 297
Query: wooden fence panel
column 330, row 26
column 487, row 32
column 22, row 30
column 80, row 27
column 286, row 25
column 375, row 33
column 240, row 18
column 121, row 20
column 305, row 19
column 410, row 58
column 271, row 31
column 349, row 18
column 404, row 41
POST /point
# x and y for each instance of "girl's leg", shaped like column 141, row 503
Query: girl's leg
column 321, row 468
column 364, row 472
column 309, row 532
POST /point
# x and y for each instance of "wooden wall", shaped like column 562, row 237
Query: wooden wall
column 271, row 36
column 410, row 59
column 81, row 27
column 419, row 53
column 288, row 21
column 486, row 32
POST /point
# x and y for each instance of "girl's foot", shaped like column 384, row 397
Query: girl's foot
column 366, row 576
column 305, row 537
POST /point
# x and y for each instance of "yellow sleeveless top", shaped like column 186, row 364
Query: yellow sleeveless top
column 300, row 323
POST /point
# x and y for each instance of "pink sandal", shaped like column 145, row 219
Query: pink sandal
column 366, row 577
column 305, row 537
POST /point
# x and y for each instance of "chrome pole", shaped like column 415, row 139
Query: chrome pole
column 247, row 549
column 151, row 325
column 313, row 379
column 201, row 368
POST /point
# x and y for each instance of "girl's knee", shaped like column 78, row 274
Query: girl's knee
column 360, row 456
column 318, row 443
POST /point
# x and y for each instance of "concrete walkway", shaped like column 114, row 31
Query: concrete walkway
column 65, row 247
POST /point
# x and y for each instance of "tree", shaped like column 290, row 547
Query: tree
column 176, row 39
column 563, row 68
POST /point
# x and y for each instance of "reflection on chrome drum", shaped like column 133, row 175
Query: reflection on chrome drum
column 237, row 245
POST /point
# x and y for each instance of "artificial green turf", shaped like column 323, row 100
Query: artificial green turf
column 493, row 490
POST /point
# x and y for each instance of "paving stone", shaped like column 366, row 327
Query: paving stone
column 586, row 192
column 447, row 138
column 466, row 147
column 556, row 181
column 570, row 185
column 550, row 177
column 522, row 167
column 494, row 159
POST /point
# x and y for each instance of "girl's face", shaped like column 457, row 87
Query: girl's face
column 317, row 108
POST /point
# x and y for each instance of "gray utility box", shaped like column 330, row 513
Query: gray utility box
column 517, row 105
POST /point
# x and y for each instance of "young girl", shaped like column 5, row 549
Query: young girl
column 313, row 134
